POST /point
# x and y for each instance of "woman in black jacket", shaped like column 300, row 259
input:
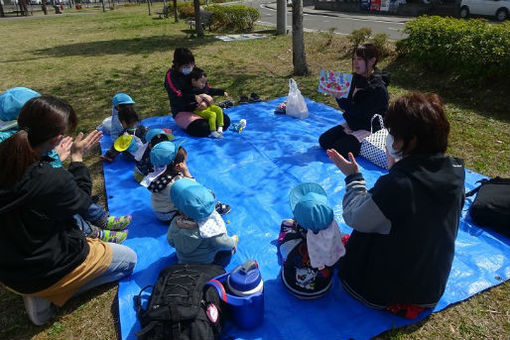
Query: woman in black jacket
column 182, row 99
column 400, row 252
column 367, row 96
column 44, row 255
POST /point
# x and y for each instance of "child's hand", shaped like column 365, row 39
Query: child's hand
column 64, row 148
column 225, row 94
column 183, row 168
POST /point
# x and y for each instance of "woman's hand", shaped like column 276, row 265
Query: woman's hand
column 225, row 94
column 63, row 149
column 201, row 105
column 82, row 145
column 348, row 167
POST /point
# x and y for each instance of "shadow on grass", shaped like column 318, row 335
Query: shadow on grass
column 15, row 324
column 469, row 94
column 142, row 45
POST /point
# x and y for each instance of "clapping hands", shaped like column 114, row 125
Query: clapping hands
column 348, row 167
column 82, row 145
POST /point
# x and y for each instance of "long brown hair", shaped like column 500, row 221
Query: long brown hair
column 40, row 119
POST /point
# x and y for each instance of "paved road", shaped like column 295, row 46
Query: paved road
column 322, row 20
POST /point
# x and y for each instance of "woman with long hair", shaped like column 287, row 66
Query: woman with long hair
column 44, row 255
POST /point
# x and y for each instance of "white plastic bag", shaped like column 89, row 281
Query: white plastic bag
column 296, row 106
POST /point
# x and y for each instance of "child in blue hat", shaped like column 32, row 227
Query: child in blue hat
column 99, row 223
column 198, row 232
column 120, row 102
column 169, row 165
column 310, row 244
column 129, row 139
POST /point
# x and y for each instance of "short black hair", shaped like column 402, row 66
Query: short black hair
column 421, row 117
column 128, row 114
column 197, row 73
column 182, row 56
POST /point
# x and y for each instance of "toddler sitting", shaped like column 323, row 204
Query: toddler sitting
column 310, row 244
column 198, row 233
column 204, row 108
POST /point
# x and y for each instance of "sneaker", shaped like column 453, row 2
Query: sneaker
column 243, row 100
column 113, row 236
column 118, row 223
column 254, row 98
column 216, row 134
column 39, row 310
column 222, row 208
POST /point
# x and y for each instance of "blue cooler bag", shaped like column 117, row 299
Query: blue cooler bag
column 244, row 294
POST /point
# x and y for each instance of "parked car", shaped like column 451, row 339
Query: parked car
column 498, row 8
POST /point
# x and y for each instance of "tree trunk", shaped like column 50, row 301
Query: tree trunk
column 298, row 43
column 149, row 6
column 102, row 3
column 2, row 14
column 43, row 7
column 198, row 21
column 281, row 16
column 176, row 15
column 23, row 7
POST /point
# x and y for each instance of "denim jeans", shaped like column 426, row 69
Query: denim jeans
column 95, row 213
column 123, row 263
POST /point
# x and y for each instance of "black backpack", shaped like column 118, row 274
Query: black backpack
column 491, row 206
column 179, row 307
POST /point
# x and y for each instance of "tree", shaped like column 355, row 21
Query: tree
column 176, row 16
column 198, row 21
column 43, row 7
column 298, row 43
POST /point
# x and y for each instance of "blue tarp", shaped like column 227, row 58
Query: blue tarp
column 253, row 171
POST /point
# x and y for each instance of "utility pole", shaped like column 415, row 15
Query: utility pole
column 281, row 16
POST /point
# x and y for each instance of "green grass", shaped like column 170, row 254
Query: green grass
column 88, row 58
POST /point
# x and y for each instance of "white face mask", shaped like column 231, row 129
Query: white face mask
column 186, row 70
column 389, row 145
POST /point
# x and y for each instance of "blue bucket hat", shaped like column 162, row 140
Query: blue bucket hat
column 192, row 199
column 310, row 206
column 122, row 98
column 164, row 153
column 12, row 100
column 154, row 132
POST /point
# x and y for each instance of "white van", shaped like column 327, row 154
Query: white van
column 498, row 8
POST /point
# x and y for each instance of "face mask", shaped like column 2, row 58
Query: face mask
column 186, row 70
column 389, row 145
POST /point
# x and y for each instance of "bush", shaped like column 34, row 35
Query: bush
column 357, row 37
column 186, row 9
column 471, row 48
column 236, row 18
column 380, row 40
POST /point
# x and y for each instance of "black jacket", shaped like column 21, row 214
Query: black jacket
column 39, row 240
column 402, row 246
column 180, row 93
column 371, row 98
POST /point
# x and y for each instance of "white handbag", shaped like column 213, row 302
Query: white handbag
column 373, row 147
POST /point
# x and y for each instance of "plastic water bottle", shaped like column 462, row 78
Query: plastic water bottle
column 238, row 127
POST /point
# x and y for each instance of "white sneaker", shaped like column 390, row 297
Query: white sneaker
column 39, row 310
column 216, row 134
column 220, row 129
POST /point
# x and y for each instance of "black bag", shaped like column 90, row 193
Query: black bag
column 491, row 207
column 179, row 307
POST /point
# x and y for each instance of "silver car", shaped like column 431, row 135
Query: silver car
column 498, row 8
